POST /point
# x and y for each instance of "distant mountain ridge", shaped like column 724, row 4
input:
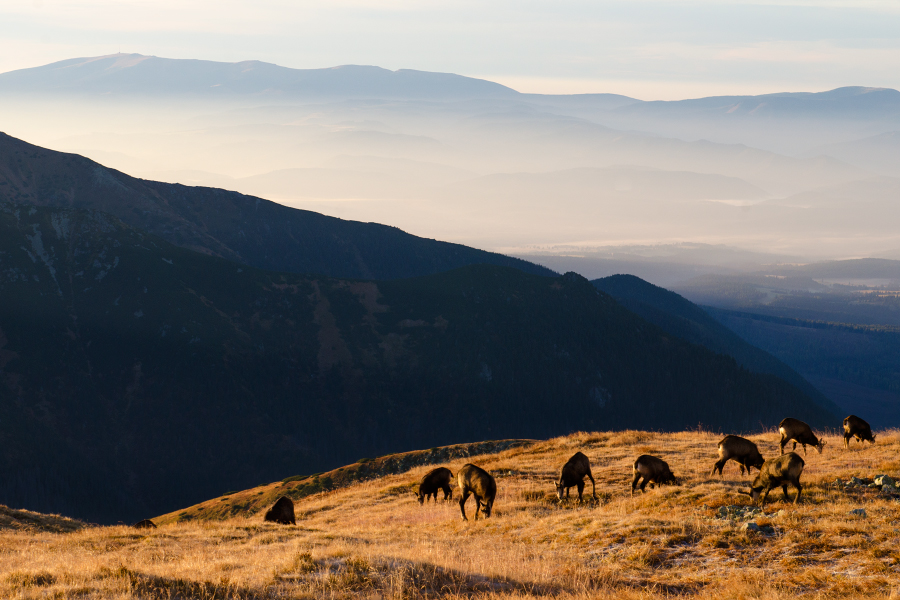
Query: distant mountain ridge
column 128, row 74
column 157, row 76
column 850, row 101
column 242, row 228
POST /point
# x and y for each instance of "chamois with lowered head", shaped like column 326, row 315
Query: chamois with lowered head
column 573, row 473
column 854, row 427
column 654, row 471
column 781, row 471
column 432, row 481
column 476, row 481
column 740, row 450
column 800, row 433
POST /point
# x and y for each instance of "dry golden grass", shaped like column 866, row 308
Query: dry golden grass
column 371, row 539
column 26, row 520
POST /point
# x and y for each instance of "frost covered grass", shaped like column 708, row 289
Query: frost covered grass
column 372, row 539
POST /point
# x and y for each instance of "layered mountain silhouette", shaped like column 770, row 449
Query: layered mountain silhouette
column 242, row 228
column 138, row 376
column 867, row 103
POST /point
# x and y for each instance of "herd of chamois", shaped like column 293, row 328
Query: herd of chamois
column 782, row 471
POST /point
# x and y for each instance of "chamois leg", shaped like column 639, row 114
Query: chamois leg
column 593, row 485
column 637, row 477
column 784, row 489
column 462, row 504
column 797, row 485
column 477, row 505
column 720, row 464
column 580, row 485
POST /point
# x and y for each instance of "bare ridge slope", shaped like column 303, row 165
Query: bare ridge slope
column 242, row 228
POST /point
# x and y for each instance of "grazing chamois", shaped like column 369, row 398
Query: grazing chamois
column 282, row 512
column 573, row 474
column 655, row 471
column 856, row 427
column 478, row 482
column 145, row 524
column 434, row 480
column 775, row 472
column 800, row 433
column 740, row 450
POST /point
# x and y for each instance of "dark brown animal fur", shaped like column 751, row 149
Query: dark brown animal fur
column 478, row 482
column 573, row 474
column 856, row 427
column 800, row 433
column 282, row 512
column 434, row 480
column 775, row 472
column 740, row 450
column 145, row 524
column 655, row 471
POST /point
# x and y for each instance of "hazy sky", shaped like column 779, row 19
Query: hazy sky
column 649, row 49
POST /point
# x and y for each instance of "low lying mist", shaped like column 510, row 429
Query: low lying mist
column 564, row 180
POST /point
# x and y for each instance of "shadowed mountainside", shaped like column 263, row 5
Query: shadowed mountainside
column 681, row 317
column 242, row 228
column 138, row 376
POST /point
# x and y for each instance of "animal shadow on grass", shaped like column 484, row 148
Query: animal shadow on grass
column 152, row 587
column 400, row 578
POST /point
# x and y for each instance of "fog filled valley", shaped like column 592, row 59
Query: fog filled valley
column 470, row 161
column 223, row 283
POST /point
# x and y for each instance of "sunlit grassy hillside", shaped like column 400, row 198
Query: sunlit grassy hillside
column 368, row 537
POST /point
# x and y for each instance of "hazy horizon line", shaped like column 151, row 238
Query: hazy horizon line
column 638, row 89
